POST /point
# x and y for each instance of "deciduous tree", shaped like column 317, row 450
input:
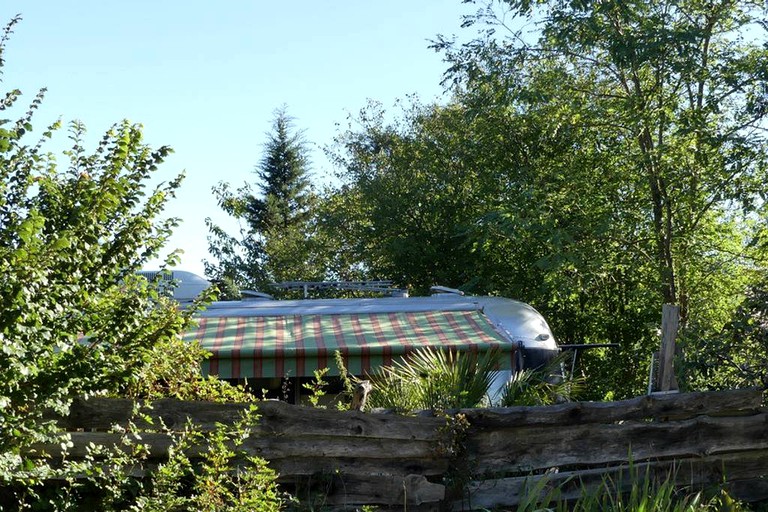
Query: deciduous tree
column 74, row 319
column 673, row 94
column 610, row 162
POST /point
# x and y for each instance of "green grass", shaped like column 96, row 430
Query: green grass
column 639, row 491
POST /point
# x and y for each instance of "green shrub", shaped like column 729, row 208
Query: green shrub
column 122, row 477
column 541, row 386
column 76, row 320
column 434, row 380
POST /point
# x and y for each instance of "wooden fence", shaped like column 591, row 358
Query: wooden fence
column 476, row 458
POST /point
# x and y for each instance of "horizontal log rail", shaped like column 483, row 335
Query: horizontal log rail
column 702, row 439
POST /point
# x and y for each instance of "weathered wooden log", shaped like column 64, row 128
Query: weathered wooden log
column 277, row 418
column 404, row 490
column 736, row 469
column 395, row 465
column 268, row 447
column 426, row 507
column 656, row 407
column 530, row 448
column 103, row 413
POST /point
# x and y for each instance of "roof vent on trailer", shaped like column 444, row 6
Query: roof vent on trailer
column 156, row 275
column 183, row 286
column 254, row 295
column 439, row 290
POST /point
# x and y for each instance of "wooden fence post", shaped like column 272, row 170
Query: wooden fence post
column 670, row 320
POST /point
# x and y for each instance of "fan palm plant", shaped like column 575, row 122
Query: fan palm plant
column 434, row 380
column 545, row 385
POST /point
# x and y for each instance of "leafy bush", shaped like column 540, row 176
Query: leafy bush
column 173, row 371
column 221, row 478
column 219, row 483
column 734, row 357
column 541, row 386
column 76, row 321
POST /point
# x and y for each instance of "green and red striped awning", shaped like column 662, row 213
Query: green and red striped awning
column 296, row 345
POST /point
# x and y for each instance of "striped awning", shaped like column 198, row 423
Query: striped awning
column 296, row 345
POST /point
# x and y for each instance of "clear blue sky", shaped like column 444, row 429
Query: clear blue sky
column 205, row 77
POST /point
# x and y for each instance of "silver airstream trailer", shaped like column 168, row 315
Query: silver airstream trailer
column 264, row 341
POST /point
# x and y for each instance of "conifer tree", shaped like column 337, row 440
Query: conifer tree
column 276, row 241
column 284, row 172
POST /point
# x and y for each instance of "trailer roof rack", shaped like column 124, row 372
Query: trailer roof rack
column 362, row 286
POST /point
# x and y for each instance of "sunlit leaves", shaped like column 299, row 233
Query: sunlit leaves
column 610, row 161
column 73, row 319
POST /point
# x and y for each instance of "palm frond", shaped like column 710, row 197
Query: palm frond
column 434, row 379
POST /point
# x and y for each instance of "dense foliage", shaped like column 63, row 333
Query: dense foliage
column 438, row 380
column 609, row 161
column 76, row 321
column 596, row 159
